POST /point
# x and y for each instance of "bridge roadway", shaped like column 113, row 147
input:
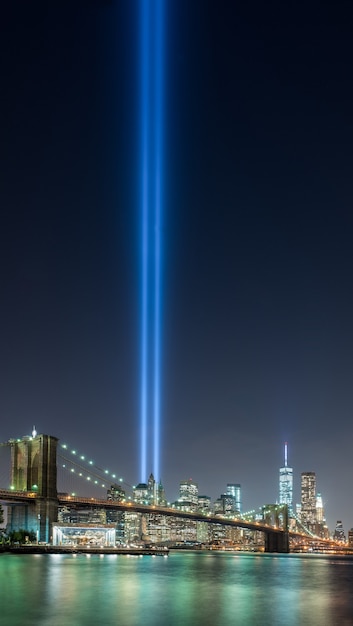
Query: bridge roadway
column 10, row 497
column 271, row 532
column 168, row 511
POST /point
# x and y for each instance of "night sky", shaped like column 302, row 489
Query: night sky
column 257, row 239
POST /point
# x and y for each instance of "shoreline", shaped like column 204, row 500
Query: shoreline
column 37, row 549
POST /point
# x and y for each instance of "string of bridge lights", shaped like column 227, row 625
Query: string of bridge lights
column 79, row 468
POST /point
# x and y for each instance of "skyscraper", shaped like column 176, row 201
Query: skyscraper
column 188, row 493
column 319, row 509
column 234, row 490
column 286, row 482
column 308, row 499
column 339, row 535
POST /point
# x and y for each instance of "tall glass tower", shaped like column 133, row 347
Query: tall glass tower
column 286, row 482
column 234, row 491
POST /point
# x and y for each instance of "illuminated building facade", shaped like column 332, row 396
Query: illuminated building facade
column 84, row 535
column 218, row 505
column 319, row 509
column 133, row 526
column 234, row 490
column 116, row 493
column 157, row 528
column 286, row 482
column 339, row 535
column 182, row 530
column 140, row 493
column 308, row 500
column 350, row 538
column 188, row 494
column 204, row 504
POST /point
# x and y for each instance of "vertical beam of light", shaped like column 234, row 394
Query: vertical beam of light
column 151, row 214
column 158, row 124
column 144, row 235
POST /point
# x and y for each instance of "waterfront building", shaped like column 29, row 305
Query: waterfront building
column 234, row 490
column 203, row 532
column 308, row 500
column 157, row 528
column 116, row 494
column 182, row 530
column 133, row 526
column 286, row 482
column 218, row 534
column 84, row 535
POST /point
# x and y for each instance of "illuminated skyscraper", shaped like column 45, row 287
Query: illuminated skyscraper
column 188, row 492
column 319, row 509
column 234, row 490
column 339, row 535
column 286, row 482
column 308, row 500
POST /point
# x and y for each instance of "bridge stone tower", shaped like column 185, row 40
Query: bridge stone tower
column 33, row 468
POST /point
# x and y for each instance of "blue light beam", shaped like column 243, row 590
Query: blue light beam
column 158, row 125
column 145, row 217
column 151, row 218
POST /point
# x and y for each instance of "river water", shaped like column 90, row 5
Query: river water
column 184, row 589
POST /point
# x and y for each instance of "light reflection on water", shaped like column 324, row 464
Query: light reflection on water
column 188, row 589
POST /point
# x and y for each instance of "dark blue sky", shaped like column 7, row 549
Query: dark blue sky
column 258, row 225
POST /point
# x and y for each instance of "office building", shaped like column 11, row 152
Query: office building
column 308, row 500
column 319, row 509
column 339, row 535
column 204, row 504
column 234, row 490
column 188, row 493
column 116, row 493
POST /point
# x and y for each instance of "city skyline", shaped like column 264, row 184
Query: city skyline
column 309, row 508
column 257, row 231
column 76, row 475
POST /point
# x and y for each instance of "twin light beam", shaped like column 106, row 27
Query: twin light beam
column 151, row 215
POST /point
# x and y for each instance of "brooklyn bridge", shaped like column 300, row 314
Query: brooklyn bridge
column 35, row 503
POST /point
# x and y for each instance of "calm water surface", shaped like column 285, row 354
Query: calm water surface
column 185, row 589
